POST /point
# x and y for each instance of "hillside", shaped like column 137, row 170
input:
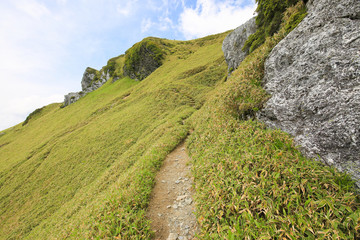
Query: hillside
column 86, row 170
column 64, row 170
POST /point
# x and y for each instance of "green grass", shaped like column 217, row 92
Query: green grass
column 269, row 20
column 252, row 182
column 87, row 170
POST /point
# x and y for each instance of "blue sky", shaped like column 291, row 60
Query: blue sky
column 46, row 45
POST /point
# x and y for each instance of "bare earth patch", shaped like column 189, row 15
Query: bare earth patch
column 171, row 206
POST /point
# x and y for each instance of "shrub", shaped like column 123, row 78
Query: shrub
column 268, row 20
column 32, row 115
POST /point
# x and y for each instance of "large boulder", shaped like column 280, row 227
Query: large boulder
column 234, row 42
column 93, row 79
column 313, row 76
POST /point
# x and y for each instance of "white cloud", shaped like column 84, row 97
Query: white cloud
column 33, row 46
column 21, row 99
column 126, row 8
column 32, row 8
column 146, row 25
column 16, row 111
column 165, row 23
column 162, row 23
column 211, row 17
column 61, row 2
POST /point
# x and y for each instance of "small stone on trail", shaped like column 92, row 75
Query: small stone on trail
column 172, row 236
column 179, row 198
column 177, row 181
column 169, row 206
column 163, row 181
column 159, row 214
column 188, row 201
column 175, row 206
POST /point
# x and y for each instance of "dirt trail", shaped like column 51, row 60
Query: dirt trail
column 171, row 206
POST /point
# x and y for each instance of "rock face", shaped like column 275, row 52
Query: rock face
column 90, row 82
column 72, row 97
column 313, row 76
column 234, row 42
column 142, row 59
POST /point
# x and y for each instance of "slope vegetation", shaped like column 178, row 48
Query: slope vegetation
column 87, row 170
column 252, row 182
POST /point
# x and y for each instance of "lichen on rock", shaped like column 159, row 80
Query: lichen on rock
column 234, row 43
column 314, row 80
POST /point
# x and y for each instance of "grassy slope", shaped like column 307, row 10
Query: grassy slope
column 86, row 170
column 252, row 182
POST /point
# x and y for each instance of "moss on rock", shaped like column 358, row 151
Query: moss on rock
column 143, row 58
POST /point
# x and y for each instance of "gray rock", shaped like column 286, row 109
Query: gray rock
column 313, row 76
column 234, row 42
column 90, row 82
column 72, row 97
column 88, row 77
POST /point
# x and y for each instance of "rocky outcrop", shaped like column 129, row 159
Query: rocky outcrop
column 142, row 59
column 92, row 79
column 313, row 76
column 72, row 97
column 234, row 42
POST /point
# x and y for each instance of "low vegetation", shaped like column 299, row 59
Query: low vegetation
column 252, row 182
column 269, row 18
column 86, row 171
column 32, row 115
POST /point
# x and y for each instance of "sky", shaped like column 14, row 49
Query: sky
column 46, row 45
